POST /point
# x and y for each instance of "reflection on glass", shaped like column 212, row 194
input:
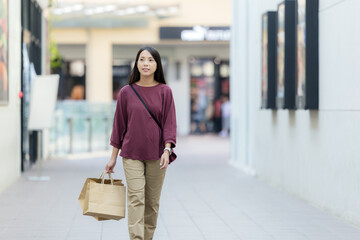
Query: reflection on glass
column 281, row 51
column 4, row 85
column 264, row 78
column 301, row 48
column 202, row 94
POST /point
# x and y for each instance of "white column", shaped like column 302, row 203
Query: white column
column 239, row 58
column 44, row 70
column 98, row 67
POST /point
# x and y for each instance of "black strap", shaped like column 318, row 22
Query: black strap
column 146, row 106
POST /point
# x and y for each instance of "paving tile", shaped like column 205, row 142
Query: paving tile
column 83, row 236
column 187, row 237
column 221, row 237
column 32, row 234
column 324, row 237
column 106, row 236
column 257, row 237
column 294, row 236
column 203, row 198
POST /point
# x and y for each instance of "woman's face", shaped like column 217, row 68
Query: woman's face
column 146, row 64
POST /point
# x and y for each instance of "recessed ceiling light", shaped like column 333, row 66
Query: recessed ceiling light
column 58, row 11
column 77, row 7
column 130, row 10
column 142, row 8
column 67, row 9
column 110, row 8
column 99, row 10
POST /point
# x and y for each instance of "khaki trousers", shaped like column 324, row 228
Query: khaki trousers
column 144, row 183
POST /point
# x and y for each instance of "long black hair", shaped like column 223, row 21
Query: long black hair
column 159, row 73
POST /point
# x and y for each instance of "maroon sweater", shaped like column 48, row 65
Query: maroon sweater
column 135, row 132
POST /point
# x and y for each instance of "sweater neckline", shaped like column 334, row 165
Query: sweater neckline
column 148, row 86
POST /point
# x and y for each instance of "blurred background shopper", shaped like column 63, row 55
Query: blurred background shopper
column 145, row 139
column 225, row 114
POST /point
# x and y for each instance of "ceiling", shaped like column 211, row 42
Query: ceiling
column 67, row 9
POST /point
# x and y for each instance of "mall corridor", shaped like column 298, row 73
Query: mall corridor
column 203, row 198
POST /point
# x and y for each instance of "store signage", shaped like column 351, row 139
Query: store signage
column 196, row 33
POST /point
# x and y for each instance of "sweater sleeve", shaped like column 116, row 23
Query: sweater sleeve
column 169, row 124
column 120, row 121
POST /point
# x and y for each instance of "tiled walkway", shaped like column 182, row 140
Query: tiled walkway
column 203, row 198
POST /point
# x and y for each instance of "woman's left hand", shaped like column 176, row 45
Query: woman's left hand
column 164, row 161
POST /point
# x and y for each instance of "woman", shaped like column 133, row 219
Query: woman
column 146, row 143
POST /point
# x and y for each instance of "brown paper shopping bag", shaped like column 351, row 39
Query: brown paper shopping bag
column 104, row 199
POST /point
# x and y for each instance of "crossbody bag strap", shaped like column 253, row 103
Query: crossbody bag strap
column 137, row 94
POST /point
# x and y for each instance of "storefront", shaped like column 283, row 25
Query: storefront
column 107, row 38
column 32, row 65
column 209, row 73
column 209, row 83
column 188, row 65
column 21, row 55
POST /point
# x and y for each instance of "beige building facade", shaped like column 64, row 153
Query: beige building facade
column 101, row 46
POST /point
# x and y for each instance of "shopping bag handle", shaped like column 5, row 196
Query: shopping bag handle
column 102, row 177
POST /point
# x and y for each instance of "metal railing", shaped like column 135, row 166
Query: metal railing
column 80, row 126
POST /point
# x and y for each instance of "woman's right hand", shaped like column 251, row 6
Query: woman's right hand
column 110, row 166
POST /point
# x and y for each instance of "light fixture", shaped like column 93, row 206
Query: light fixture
column 130, row 11
column 110, row 8
column 67, row 9
column 58, row 11
column 142, row 8
column 77, row 7
column 99, row 10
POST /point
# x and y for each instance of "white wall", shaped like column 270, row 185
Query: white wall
column 312, row 154
column 10, row 157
